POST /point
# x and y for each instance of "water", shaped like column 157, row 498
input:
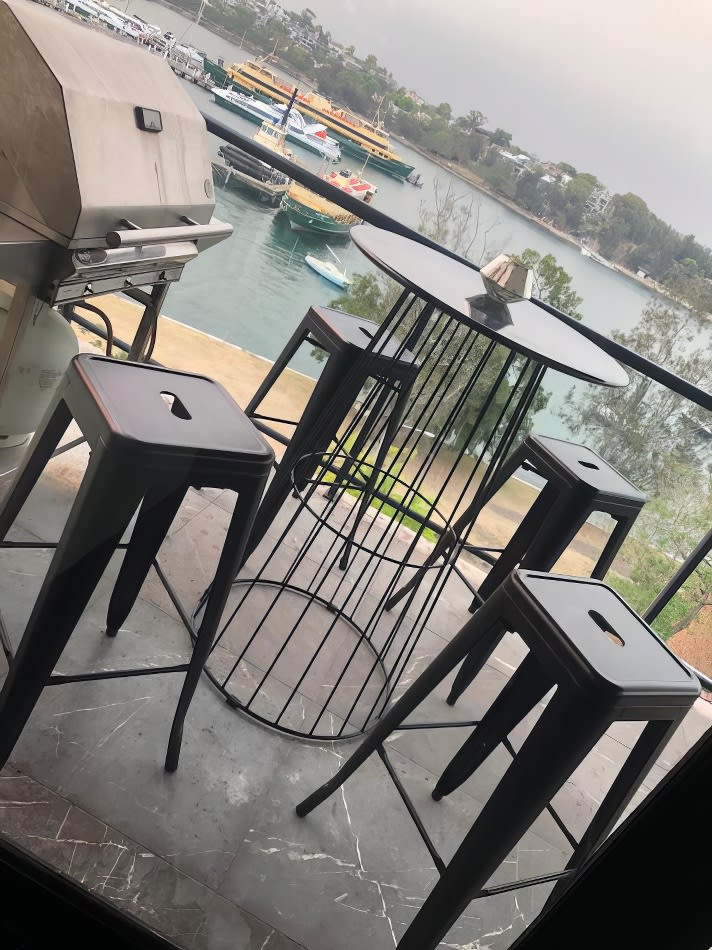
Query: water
column 253, row 289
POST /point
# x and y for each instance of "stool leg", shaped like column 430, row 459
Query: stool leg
column 521, row 541
column 476, row 629
column 38, row 454
column 641, row 759
column 618, row 536
column 528, row 686
column 392, row 426
column 471, row 666
column 231, row 558
column 158, row 509
column 100, row 514
column 334, row 394
column 541, row 767
column 277, row 368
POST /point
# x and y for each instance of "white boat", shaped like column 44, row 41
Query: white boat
column 328, row 269
column 587, row 252
column 310, row 135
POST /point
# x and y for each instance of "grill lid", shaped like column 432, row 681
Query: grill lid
column 92, row 131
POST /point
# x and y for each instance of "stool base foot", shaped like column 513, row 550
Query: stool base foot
column 112, row 631
column 436, row 795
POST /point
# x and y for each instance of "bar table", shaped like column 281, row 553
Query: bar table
column 307, row 644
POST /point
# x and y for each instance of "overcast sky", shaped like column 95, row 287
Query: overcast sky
column 620, row 88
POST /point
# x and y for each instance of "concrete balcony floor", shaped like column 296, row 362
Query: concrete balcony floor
column 213, row 856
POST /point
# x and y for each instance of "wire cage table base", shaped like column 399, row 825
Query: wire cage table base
column 306, row 646
column 309, row 644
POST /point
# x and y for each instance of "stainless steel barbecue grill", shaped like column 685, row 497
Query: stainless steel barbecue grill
column 105, row 175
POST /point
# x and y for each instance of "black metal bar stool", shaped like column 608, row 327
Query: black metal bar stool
column 606, row 664
column 153, row 433
column 350, row 364
column 578, row 483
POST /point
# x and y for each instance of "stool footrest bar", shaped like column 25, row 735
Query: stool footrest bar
column 60, row 679
column 437, row 860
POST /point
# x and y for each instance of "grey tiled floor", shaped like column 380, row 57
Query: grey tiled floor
column 214, row 855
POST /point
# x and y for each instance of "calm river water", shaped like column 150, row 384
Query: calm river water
column 253, row 289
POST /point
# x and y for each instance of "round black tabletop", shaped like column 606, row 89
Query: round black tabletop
column 450, row 285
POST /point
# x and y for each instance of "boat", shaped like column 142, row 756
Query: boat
column 242, row 169
column 587, row 252
column 416, row 179
column 328, row 269
column 311, row 136
column 216, row 71
column 308, row 211
column 359, row 138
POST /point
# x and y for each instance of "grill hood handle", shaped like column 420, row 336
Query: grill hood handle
column 211, row 233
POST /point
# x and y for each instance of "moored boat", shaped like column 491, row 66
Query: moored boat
column 216, row 71
column 240, row 168
column 311, row 136
column 308, row 211
column 358, row 137
column 328, row 270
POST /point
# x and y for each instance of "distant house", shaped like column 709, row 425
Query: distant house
column 598, row 203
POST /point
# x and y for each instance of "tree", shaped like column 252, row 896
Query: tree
column 502, row 138
column 568, row 169
column 501, row 176
column 577, row 193
column 643, row 428
column 665, row 533
column 471, row 122
column 551, row 283
column 370, row 64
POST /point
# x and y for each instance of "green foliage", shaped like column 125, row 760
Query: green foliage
column 233, row 21
column 501, row 176
column 642, row 428
column 576, row 194
column 300, row 59
column 367, row 296
column 432, row 131
column 632, row 235
column 358, row 89
column 552, row 284
column 502, row 138
column 667, row 530
column 402, row 100
column 534, row 194
column 472, row 121
column 387, row 484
